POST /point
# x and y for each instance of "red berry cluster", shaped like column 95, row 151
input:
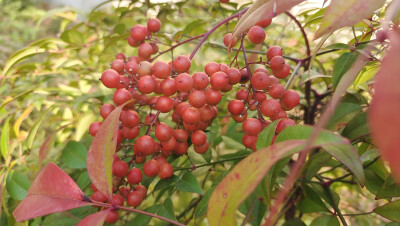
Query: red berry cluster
column 168, row 88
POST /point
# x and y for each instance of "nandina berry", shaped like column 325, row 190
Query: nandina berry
column 118, row 66
column 206, row 113
column 244, row 76
column 180, row 135
column 197, row 98
column 181, row 148
column 198, row 137
column 145, row 50
column 236, row 107
column 290, row 99
column 144, row 68
column 120, row 56
column 265, row 22
column 228, row 38
column 184, row 82
column 151, row 168
column 142, row 190
column 234, row 76
column 133, row 42
column 181, row 64
column 212, row 67
column 240, row 118
column 144, row 145
column 121, row 96
column 98, row 196
column 164, row 104
column 274, row 51
column 283, row 73
column 213, row 97
column 270, row 107
column 283, row 124
column 219, row 80
column 250, row 142
column 242, row 95
column 138, row 32
column 129, row 118
column 169, row 145
column 161, row 69
column 130, row 133
column 260, row 80
column 256, row 35
column 118, row 200
column 168, row 87
column 131, row 67
column 191, row 115
column 110, row 78
column 260, row 96
column 134, row 176
column 262, row 69
column 201, row 149
column 163, row 132
column 252, row 126
column 120, row 168
column 200, row 80
column 153, row 25
column 165, row 171
column 276, row 91
column 135, row 199
column 147, row 84
column 94, row 127
column 112, row 216
column 277, row 63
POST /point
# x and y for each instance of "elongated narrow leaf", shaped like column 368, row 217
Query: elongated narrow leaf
column 339, row 147
column 390, row 211
column 21, row 118
column 342, row 13
column 243, row 179
column 95, row 219
column 386, row 104
column 101, row 151
column 4, row 140
column 34, row 130
column 258, row 11
column 342, row 64
column 189, row 183
column 48, row 143
column 266, row 136
column 52, row 191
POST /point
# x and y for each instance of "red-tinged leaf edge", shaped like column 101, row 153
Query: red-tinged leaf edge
column 101, row 151
column 52, row 191
column 385, row 106
column 95, row 219
column 243, row 179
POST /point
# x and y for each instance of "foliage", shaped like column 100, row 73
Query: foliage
column 51, row 94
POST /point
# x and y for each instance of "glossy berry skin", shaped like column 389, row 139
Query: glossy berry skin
column 151, row 168
column 168, row 87
column 145, row 50
column 197, row 98
column 133, row 42
column 110, row 78
column 211, row 68
column 200, row 80
column 120, row 168
column 164, row 104
column 283, row 124
column 250, row 142
column 234, row 76
column 260, row 81
column 165, row 171
column 129, row 118
column 121, row 96
column 118, row 200
column 219, row 80
column 146, row 84
column 142, row 190
column 256, row 35
column 198, row 137
column 130, row 133
column 144, row 68
column 98, row 196
column 191, row 115
column 276, row 91
column 134, row 176
column 270, row 107
column 201, row 149
column 138, row 32
column 153, row 25
column 181, row 148
column 135, row 199
column 94, row 127
column 283, row 73
column 180, row 135
column 277, row 63
column 274, row 51
column 161, row 70
column 118, row 66
column 213, row 97
column 144, row 145
column 184, row 82
column 252, row 126
column 181, row 64
column 290, row 99
column 163, row 132
column 236, row 107
column 265, row 22
column 112, row 216
column 227, row 39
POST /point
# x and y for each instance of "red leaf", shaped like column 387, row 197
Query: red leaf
column 100, row 156
column 52, row 191
column 385, row 106
column 95, row 219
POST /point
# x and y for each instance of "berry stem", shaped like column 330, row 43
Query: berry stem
column 296, row 69
column 208, row 33
column 107, row 205
column 152, row 122
column 211, row 163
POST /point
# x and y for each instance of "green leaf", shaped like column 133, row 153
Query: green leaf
column 367, row 73
column 5, row 139
column 17, row 185
column 35, row 128
column 390, row 211
column 357, row 127
column 311, row 202
column 164, row 183
column 143, row 220
column 60, row 219
column 373, row 181
column 342, row 65
column 344, row 112
column 83, row 180
column 389, row 189
column 167, row 210
column 316, row 162
column 74, row 155
column 294, row 222
column 232, row 144
column 189, row 183
column 266, row 136
column 336, row 145
column 72, row 37
column 325, row 221
column 201, row 208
